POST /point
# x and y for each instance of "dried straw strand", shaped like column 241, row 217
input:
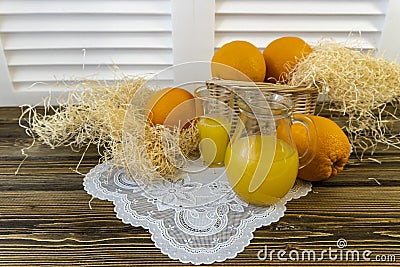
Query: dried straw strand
column 361, row 86
column 94, row 114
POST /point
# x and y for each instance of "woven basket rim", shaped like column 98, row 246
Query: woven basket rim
column 265, row 86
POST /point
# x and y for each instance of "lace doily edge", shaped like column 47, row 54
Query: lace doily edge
column 155, row 232
column 228, row 254
column 243, row 242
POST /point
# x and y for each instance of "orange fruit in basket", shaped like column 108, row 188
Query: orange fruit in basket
column 331, row 153
column 282, row 55
column 243, row 62
column 171, row 107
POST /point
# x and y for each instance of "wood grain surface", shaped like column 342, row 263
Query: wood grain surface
column 45, row 218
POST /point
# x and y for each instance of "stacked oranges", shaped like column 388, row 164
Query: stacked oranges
column 237, row 60
column 241, row 60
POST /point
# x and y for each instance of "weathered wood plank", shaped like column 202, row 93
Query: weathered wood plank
column 45, row 218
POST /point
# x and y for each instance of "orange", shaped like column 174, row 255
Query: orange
column 245, row 62
column 331, row 153
column 171, row 107
column 282, row 55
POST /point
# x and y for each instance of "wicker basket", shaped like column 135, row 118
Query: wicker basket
column 304, row 98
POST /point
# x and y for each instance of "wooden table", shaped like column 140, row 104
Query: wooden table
column 45, row 217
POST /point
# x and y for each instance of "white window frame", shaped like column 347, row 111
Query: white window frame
column 390, row 42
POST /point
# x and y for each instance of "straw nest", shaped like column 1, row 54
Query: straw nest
column 94, row 114
column 359, row 85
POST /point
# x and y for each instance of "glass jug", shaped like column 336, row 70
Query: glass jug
column 262, row 160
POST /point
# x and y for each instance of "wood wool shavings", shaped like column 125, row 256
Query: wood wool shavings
column 91, row 114
column 154, row 151
column 362, row 86
column 94, row 114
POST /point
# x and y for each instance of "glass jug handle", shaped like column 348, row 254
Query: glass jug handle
column 311, row 132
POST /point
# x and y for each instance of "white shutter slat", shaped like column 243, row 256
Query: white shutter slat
column 57, row 73
column 119, row 57
column 15, row 41
column 372, row 7
column 47, row 43
column 260, row 22
column 260, row 40
column 300, row 23
column 89, row 7
column 84, row 23
column 44, row 89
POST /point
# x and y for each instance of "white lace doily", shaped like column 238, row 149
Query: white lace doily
column 198, row 219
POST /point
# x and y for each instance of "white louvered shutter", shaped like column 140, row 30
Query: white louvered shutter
column 48, row 41
column 43, row 41
column 261, row 21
